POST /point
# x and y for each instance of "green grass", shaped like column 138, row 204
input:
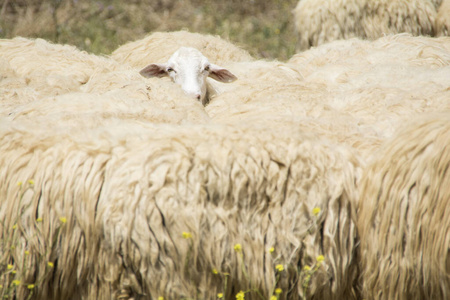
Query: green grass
column 265, row 28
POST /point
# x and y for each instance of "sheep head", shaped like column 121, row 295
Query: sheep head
column 189, row 68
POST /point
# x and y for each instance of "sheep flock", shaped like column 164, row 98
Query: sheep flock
column 326, row 176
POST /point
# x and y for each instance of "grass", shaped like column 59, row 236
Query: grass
column 264, row 28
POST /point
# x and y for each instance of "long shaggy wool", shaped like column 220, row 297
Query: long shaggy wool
column 404, row 214
column 128, row 192
column 159, row 46
column 319, row 22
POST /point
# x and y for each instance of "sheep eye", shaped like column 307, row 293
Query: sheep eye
column 170, row 70
column 207, row 68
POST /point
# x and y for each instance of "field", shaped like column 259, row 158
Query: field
column 264, row 28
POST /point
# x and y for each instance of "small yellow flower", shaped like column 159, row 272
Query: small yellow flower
column 50, row 264
column 19, row 183
column 30, row 286
column 273, row 297
column 279, row 268
column 31, row 181
column 14, row 271
column 1, row 286
column 187, row 235
column 15, row 226
column 16, row 282
column 307, row 268
column 237, row 247
column 240, row 295
column 39, row 220
column 320, row 258
column 278, row 291
column 316, row 211
column 27, row 252
column 220, row 295
column 63, row 220
column 160, row 298
column 215, row 271
column 9, row 267
column 272, row 250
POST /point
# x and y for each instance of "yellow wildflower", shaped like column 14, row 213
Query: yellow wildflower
column 279, row 268
column 215, row 271
column 316, row 211
column 9, row 267
column 307, row 268
column 39, row 220
column 27, row 252
column 63, row 220
column 272, row 250
column 187, row 235
column 320, row 258
column 240, row 295
column 237, row 247
column 16, row 282
column 160, row 298
column 31, row 181
column 14, row 272
column 19, row 183
column 273, row 297
column 50, row 264
column 14, row 226
column 220, row 295
column 30, row 286
column 278, row 291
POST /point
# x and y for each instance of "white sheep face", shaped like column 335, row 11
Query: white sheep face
column 189, row 68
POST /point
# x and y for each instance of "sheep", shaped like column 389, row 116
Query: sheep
column 189, row 68
column 127, row 191
column 58, row 67
column 159, row 46
column 353, row 92
column 13, row 89
column 319, row 22
column 35, row 68
column 404, row 216
column 442, row 27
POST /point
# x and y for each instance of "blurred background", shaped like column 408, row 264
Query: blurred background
column 264, row 28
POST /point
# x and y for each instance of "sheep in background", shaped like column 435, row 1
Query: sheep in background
column 189, row 68
column 353, row 92
column 33, row 69
column 14, row 90
column 442, row 27
column 159, row 46
column 404, row 214
column 129, row 191
column 319, row 22
column 52, row 67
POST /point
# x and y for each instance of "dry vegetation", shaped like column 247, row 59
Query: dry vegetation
column 265, row 28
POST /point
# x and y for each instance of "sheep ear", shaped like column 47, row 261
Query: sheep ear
column 154, row 70
column 221, row 74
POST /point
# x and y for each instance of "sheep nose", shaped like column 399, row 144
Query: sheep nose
column 198, row 96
